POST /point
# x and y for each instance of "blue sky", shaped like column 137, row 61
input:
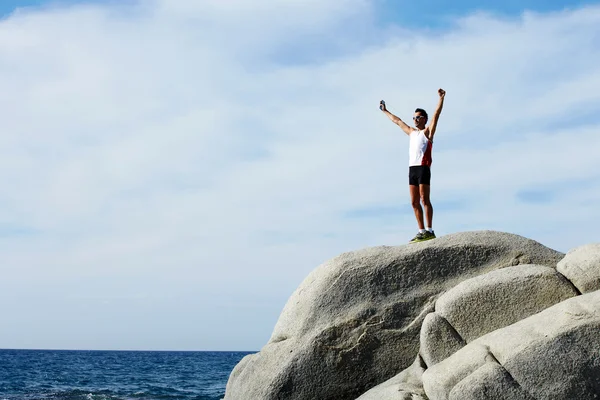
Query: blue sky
column 433, row 12
column 173, row 169
column 8, row 7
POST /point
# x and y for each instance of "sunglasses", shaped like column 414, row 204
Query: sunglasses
column 418, row 117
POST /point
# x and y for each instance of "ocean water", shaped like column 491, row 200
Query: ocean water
column 114, row 375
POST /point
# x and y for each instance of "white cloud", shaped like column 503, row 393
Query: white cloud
column 185, row 164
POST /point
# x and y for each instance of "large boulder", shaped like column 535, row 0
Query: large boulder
column 355, row 321
column 582, row 267
column 439, row 340
column 407, row 385
column 551, row 355
column 485, row 303
column 490, row 381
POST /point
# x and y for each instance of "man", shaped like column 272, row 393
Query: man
column 419, row 153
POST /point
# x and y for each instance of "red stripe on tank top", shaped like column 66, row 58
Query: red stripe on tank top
column 427, row 156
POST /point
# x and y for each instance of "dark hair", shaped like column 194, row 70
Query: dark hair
column 423, row 112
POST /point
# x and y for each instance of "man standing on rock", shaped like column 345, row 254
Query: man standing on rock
column 419, row 173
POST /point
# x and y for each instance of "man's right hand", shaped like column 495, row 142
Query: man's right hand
column 382, row 106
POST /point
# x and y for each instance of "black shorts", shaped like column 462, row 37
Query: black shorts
column 419, row 175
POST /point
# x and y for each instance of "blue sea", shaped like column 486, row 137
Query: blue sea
column 114, row 375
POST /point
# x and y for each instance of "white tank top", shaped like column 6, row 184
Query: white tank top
column 419, row 149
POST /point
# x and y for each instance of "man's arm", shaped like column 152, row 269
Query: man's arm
column 407, row 129
column 436, row 115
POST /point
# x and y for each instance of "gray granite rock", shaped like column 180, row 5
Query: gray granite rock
column 499, row 298
column 551, row 355
column 489, row 382
column 439, row 340
column 407, row 385
column 355, row 321
column 582, row 267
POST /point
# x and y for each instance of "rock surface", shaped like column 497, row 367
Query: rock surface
column 439, row 340
column 355, row 321
column 553, row 355
column 527, row 347
column 494, row 300
column 490, row 381
column 582, row 267
column 407, row 385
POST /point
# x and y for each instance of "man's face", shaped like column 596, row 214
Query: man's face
column 420, row 120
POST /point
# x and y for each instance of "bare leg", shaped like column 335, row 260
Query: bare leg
column 415, row 199
column 424, row 192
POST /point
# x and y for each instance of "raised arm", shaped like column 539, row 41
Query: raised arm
column 407, row 129
column 436, row 115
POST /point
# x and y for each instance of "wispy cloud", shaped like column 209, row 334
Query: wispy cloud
column 179, row 160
